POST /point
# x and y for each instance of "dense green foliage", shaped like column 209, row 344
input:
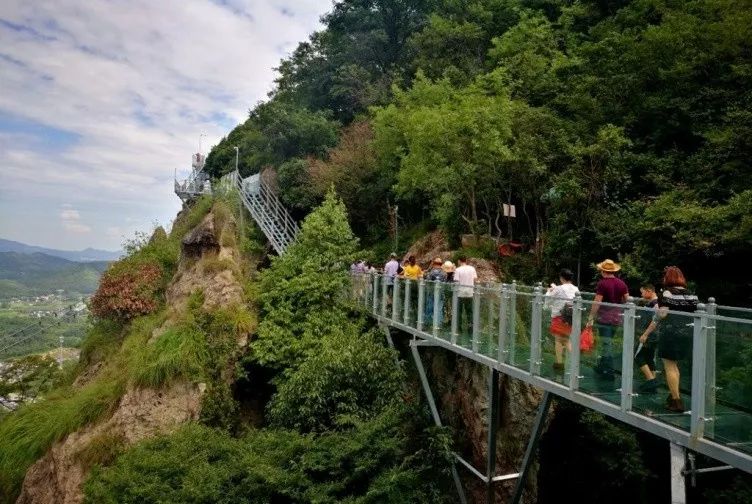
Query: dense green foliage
column 299, row 292
column 350, row 378
column 616, row 128
column 197, row 464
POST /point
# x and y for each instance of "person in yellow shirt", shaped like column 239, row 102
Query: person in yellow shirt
column 412, row 270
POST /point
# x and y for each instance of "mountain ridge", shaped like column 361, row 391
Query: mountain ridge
column 88, row 254
column 25, row 274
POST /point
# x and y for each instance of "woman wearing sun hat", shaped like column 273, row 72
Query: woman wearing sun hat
column 610, row 289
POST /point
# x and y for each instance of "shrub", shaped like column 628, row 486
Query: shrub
column 352, row 378
column 299, row 293
column 381, row 461
column 128, row 289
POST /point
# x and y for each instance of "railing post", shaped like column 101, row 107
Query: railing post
column 476, row 320
column 503, row 323
column 384, row 294
column 455, row 313
column 406, row 302
column 574, row 339
column 627, row 356
column 375, row 292
column 535, row 330
column 364, row 284
column 697, row 415
column 438, row 307
column 513, row 323
column 395, row 300
column 710, row 369
column 421, row 302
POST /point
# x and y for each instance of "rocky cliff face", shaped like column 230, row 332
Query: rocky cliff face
column 142, row 413
column 460, row 387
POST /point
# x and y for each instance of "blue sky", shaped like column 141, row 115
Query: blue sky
column 102, row 100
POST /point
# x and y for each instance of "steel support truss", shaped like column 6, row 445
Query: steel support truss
column 489, row 478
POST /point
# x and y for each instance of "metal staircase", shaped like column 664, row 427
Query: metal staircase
column 255, row 193
column 197, row 182
column 266, row 209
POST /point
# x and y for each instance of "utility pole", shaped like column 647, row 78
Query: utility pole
column 396, row 227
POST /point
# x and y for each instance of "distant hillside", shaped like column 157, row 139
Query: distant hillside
column 37, row 273
column 85, row 255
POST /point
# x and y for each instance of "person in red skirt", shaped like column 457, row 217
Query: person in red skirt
column 558, row 297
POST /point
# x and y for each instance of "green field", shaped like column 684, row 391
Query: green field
column 30, row 326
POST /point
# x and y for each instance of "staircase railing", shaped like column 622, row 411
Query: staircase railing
column 266, row 209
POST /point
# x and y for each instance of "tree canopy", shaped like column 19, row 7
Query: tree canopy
column 612, row 126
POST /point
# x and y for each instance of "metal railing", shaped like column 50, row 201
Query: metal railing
column 265, row 208
column 508, row 327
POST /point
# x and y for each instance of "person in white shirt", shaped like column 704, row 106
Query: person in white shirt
column 465, row 276
column 557, row 298
column 391, row 270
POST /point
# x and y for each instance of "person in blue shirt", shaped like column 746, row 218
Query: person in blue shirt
column 433, row 275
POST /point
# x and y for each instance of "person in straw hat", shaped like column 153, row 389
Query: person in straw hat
column 434, row 274
column 610, row 289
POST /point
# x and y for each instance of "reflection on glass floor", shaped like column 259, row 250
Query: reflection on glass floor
column 732, row 427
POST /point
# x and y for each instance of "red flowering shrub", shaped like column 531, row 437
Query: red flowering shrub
column 127, row 290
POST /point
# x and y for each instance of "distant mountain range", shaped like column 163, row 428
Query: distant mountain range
column 85, row 255
column 23, row 275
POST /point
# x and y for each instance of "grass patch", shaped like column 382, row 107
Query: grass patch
column 190, row 219
column 212, row 265
column 179, row 352
column 101, row 341
column 30, row 431
column 222, row 216
column 102, row 449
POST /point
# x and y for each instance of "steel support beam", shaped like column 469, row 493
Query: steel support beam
column 435, row 414
column 527, row 460
column 678, row 483
column 493, row 425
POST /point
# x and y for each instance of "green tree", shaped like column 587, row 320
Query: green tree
column 350, row 379
column 26, row 378
column 300, row 291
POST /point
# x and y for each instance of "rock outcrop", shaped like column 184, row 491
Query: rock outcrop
column 460, row 388
column 57, row 477
column 435, row 244
column 143, row 413
column 206, row 265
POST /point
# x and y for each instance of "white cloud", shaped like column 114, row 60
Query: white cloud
column 71, row 220
column 123, row 90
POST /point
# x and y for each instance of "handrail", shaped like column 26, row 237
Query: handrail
column 266, row 209
column 509, row 331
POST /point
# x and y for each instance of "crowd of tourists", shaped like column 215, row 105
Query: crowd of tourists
column 659, row 334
